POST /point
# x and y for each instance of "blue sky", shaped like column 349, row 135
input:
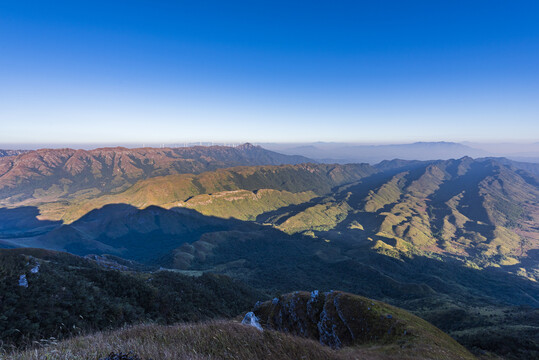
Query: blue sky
column 268, row 71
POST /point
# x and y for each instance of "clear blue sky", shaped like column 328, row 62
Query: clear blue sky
column 261, row 71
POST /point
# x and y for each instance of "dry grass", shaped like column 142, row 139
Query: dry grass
column 212, row 340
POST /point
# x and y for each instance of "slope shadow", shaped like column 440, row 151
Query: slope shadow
column 275, row 260
column 23, row 221
column 145, row 235
column 466, row 184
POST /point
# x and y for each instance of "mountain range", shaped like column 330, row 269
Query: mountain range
column 51, row 174
column 454, row 241
column 483, row 211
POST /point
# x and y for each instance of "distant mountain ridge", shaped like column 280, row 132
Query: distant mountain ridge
column 372, row 154
column 483, row 210
column 51, row 174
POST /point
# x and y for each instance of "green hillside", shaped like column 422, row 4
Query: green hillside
column 177, row 190
column 245, row 204
column 65, row 295
column 480, row 211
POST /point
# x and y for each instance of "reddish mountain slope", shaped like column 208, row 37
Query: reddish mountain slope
column 51, row 174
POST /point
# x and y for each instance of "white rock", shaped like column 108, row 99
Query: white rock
column 23, row 281
column 251, row 320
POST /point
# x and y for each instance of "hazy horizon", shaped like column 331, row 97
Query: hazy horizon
column 508, row 146
column 335, row 152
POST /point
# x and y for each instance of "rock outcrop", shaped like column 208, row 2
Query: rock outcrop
column 346, row 321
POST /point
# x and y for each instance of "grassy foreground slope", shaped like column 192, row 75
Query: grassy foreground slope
column 218, row 341
column 46, row 295
column 206, row 341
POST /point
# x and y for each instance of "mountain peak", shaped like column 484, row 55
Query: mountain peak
column 247, row 146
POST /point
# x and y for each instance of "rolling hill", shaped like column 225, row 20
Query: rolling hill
column 144, row 235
